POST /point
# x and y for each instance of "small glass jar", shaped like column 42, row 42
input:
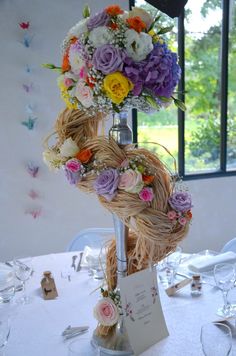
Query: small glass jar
column 196, row 285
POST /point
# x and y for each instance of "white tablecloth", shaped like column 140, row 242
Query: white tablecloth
column 36, row 328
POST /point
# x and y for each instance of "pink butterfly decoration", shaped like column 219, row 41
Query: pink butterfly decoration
column 35, row 213
column 33, row 194
column 27, row 87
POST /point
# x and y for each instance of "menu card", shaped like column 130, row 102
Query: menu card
column 142, row 310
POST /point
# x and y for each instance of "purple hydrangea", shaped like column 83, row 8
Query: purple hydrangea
column 108, row 59
column 100, row 19
column 106, row 183
column 180, row 201
column 159, row 72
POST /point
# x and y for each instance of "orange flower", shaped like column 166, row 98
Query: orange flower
column 113, row 26
column 189, row 214
column 65, row 61
column 136, row 23
column 148, row 179
column 114, row 10
column 84, row 156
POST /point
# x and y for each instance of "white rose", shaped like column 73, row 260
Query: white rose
column 84, row 94
column 69, row 148
column 78, row 29
column 143, row 14
column 100, row 36
column 138, row 45
column 76, row 61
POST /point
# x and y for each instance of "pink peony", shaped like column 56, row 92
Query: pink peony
column 131, row 181
column 172, row 215
column 182, row 221
column 73, row 165
column 84, row 94
column 146, row 194
column 106, row 312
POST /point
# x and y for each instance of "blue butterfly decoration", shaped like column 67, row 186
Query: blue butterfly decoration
column 27, row 39
column 30, row 108
column 30, row 123
column 28, row 69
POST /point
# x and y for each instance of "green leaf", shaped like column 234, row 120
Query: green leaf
column 165, row 30
column 51, row 66
column 86, row 11
column 152, row 102
column 154, row 22
column 179, row 104
column 164, row 99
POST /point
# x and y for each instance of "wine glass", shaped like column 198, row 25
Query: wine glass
column 216, row 339
column 172, row 263
column 224, row 274
column 4, row 334
column 23, row 271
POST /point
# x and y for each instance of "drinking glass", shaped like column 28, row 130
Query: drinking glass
column 4, row 334
column 216, row 339
column 172, row 263
column 7, row 285
column 23, row 271
column 224, row 274
column 81, row 347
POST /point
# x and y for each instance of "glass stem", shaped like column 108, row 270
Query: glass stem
column 226, row 305
column 23, row 289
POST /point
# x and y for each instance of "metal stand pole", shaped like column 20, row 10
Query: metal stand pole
column 118, row 343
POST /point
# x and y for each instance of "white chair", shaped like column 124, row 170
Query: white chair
column 229, row 246
column 93, row 237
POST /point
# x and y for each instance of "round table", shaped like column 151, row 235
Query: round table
column 36, row 328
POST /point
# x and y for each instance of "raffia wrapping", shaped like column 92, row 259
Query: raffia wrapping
column 152, row 234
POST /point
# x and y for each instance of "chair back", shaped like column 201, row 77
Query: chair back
column 92, row 237
column 229, row 246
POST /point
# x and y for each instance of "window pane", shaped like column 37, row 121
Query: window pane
column 161, row 127
column 231, row 147
column 202, row 83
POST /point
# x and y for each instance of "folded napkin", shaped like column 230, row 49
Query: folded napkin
column 93, row 256
column 207, row 263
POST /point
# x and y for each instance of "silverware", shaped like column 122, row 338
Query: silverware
column 80, row 260
column 73, row 262
column 71, row 332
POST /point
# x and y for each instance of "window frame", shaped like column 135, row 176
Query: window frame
column 222, row 172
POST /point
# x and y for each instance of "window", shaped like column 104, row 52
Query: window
column 202, row 139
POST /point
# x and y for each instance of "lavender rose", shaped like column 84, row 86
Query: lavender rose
column 108, row 59
column 180, row 201
column 72, row 177
column 100, row 19
column 106, row 183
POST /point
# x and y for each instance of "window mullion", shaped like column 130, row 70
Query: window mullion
column 224, row 84
column 181, row 95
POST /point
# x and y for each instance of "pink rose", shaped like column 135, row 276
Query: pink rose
column 172, row 214
column 73, row 165
column 131, row 181
column 68, row 82
column 146, row 194
column 106, row 312
column 84, row 94
column 182, row 221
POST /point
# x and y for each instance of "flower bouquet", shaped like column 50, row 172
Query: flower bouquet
column 116, row 60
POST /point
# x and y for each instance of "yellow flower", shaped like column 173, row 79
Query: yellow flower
column 66, row 97
column 117, row 87
column 151, row 32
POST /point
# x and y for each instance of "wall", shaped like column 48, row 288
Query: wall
column 65, row 210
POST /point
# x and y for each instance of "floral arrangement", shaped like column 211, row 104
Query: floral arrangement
column 108, row 308
column 116, row 60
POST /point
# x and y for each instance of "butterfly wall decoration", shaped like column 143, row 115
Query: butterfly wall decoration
column 29, row 123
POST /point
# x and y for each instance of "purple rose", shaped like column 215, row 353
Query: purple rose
column 106, row 183
column 108, row 59
column 72, row 177
column 180, row 201
column 100, row 19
